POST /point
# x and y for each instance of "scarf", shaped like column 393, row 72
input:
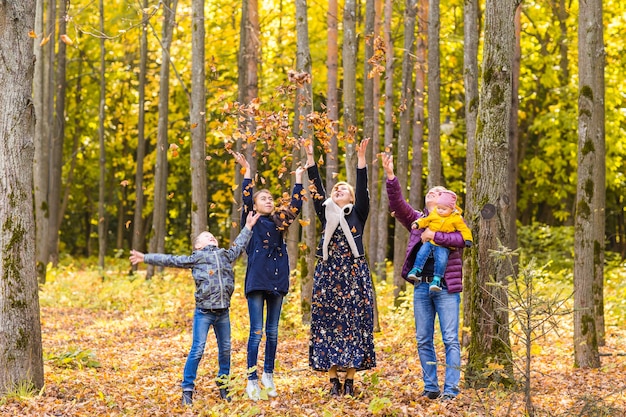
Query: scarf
column 336, row 216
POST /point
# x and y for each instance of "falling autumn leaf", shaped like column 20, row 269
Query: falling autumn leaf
column 66, row 40
column 304, row 223
column 32, row 34
column 124, row 183
column 45, row 40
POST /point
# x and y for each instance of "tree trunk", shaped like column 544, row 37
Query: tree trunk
column 41, row 162
column 102, row 217
column 198, row 123
column 332, row 99
column 138, row 239
column 434, row 83
column 514, row 132
column 302, row 128
column 157, row 243
column 471, row 37
column 383, row 205
column 349, row 86
column 488, row 303
column 371, row 83
column 588, row 242
column 56, row 144
column 370, row 125
column 21, row 360
column 402, row 156
column 248, row 82
column 377, row 257
column 417, row 142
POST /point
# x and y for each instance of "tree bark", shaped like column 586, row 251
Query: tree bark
column 41, row 162
column 588, row 242
column 332, row 99
column 434, row 84
column 383, row 206
column 417, row 139
column 199, row 206
column 157, row 243
column 471, row 35
column 21, row 360
column 248, row 62
column 56, row 146
column 303, row 129
column 371, row 83
column 102, row 217
column 488, row 303
column 138, row 238
column 349, row 53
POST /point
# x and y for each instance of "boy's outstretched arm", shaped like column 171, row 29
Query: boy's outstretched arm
column 135, row 257
column 251, row 219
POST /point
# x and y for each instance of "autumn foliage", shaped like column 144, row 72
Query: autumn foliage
column 117, row 346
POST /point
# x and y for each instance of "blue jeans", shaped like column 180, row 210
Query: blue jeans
column 202, row 321
column 427, row 304
column 256, row 300
column 440, row 255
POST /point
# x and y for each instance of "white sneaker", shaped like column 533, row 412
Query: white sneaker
column 268, row 383
column 253, row 390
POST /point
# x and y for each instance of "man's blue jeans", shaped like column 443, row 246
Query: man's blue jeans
column 427, row 304
column 440, row 255
column 256, row 301
column 202, row 321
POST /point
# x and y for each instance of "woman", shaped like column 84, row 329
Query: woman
column 267, row 274
column 342, row 325
column 428, row 304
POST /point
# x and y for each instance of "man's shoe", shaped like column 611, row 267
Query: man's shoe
column 446, row 397
column 187, row 398
column 348, row 387
column 253, row 390
column 431, row 395
column 335, row 388
column 268, row 383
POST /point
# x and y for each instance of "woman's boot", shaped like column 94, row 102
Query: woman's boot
column 335, row 389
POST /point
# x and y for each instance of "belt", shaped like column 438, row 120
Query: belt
column 214, row 310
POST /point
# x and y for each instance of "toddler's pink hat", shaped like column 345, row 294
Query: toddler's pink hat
column 447, row 198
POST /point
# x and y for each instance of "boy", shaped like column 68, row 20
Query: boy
column 445, row 218
column 211, row 268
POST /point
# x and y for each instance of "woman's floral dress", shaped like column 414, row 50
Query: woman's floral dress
column 342, row 311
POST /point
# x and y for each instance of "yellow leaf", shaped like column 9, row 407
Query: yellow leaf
column 45, row 40
column 66, row 40
column 32, row 34
column 304, row 223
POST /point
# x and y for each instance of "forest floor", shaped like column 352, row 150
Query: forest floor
column 117, row 347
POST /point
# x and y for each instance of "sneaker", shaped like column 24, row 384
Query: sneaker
column 253, row 390
column 268, row 383
column 225, row 395
column 435, row 285
column 413, row 275
column 446, row 397
column 431, row 395
column 187, row 398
